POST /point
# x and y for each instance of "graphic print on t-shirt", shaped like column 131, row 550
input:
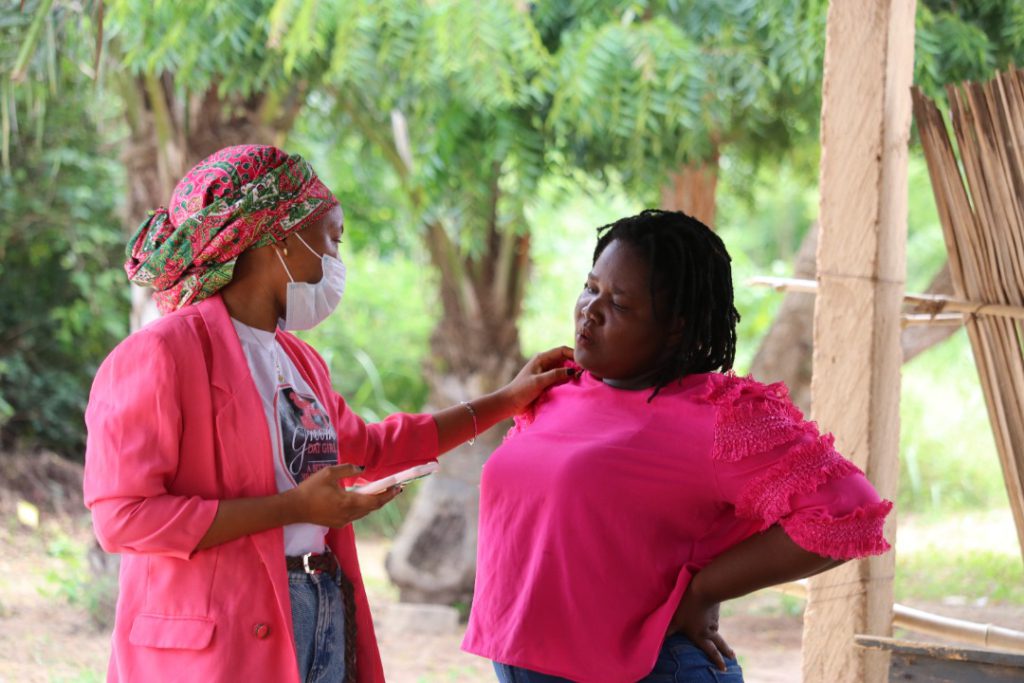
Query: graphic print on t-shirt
column 308, row 440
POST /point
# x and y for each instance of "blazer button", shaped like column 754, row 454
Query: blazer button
column 261, row 631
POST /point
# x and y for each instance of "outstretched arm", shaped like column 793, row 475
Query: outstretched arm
column 322, row 499
column 456, row 424
column 763, row 560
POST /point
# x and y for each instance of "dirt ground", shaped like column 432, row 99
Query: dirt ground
column 45, row 639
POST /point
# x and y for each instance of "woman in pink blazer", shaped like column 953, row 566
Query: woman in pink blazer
column 218, row 453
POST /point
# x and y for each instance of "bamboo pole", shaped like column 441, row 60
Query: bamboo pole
column 919, row 621
column 932, row 303
column 915, row 319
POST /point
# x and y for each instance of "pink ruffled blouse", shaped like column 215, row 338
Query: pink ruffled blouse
column 600, row 506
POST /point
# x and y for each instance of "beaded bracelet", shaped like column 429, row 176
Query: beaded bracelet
column 472, row 412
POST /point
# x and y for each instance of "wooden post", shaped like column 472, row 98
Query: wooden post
column 865, row 126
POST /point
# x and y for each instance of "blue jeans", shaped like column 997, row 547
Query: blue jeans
column 679, row 661
column 318, row 622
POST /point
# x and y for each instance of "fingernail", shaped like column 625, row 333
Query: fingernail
column 359, row 468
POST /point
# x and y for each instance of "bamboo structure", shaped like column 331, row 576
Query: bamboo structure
column 982, row 216
column 960, row 630
column 926, row 304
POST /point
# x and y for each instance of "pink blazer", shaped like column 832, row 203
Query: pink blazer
column 174, row 426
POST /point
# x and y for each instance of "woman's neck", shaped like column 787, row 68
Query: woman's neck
column 645, row 381
column 249, row 303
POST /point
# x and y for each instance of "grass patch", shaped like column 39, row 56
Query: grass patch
column 69, row 579
column 765, row 602
column 937, row 573
column 80, row 677
column 947, row 453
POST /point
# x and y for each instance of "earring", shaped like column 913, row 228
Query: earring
column 286, row 251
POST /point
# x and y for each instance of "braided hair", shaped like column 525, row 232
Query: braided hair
column 691, row 283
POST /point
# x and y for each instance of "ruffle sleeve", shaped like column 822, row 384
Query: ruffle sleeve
column 774, row 467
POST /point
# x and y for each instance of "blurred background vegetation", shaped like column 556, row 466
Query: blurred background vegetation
column 546, row 112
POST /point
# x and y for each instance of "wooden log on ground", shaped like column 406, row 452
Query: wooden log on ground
column 931, row 663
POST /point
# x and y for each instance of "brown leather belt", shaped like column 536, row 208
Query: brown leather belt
column 310, row 563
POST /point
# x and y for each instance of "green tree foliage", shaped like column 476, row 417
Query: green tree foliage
column 203, row 51
column 966, row 40
column 63, row 303
column 224, row 44
column 441, row 92
column 652, row 86
column 194, row 77
column 434, row 121
column 440, row 101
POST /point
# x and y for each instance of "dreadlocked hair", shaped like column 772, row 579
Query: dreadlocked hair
column 691, row 284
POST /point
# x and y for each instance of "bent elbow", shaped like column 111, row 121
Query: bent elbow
column 108, row 527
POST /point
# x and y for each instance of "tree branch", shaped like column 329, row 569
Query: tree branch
column 446, row 258
column 371, row 130
column 162, row 123
column 31, row 38
column 489, row 265
column 400, row 133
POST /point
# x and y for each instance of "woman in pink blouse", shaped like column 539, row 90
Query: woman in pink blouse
column 625, row 506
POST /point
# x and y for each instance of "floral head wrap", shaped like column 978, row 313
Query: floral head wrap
column 236, row 199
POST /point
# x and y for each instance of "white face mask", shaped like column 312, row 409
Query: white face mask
column 308, row 304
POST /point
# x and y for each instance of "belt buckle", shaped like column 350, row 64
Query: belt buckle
column 306, row 567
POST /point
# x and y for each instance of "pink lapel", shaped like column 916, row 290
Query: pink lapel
column 242, row 427
column 241, row 424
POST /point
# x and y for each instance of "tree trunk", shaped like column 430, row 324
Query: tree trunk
column 433, row 558
column 785, row 351
column 692, row 190
column 475, row 350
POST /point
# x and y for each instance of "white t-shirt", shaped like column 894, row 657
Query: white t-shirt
column 301, row 432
